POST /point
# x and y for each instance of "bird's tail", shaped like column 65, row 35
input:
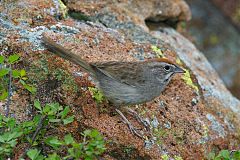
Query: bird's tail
column 66, row 54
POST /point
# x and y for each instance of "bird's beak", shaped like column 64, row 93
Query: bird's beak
column 179, row 70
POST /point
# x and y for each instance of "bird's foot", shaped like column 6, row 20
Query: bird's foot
column 139, row 118
column 132, row 129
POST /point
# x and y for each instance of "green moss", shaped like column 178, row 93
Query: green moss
column 129, row 149
column 159, row 133
column 96, row 94
column 68, row 82
column 187, row 78
column 39, row 71
column 167, row 157
column 177, row 157
column 158, row 51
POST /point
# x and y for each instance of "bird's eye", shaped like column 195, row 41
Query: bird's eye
column 167, row 68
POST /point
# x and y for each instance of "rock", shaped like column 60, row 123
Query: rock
column 230, row 9
column 188, row 130
column 221, row 45
column 134, row 11
column 194, row 101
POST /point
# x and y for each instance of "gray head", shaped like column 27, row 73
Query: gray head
column 163, row 70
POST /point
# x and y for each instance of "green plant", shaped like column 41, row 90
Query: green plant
column 96, row 94
column 54, row 112
column 7, row 73
column 10, row 77
column 224, row 155
column 92, row 146
column 9, row 134
column 32, row 131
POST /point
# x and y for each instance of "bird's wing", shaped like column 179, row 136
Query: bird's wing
column 125, row 72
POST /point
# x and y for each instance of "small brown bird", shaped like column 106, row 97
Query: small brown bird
column 124, row 83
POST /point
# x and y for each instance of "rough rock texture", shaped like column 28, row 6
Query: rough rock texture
column 231, row 9
column 192, row 117
column 134, row 11
column 218, row 39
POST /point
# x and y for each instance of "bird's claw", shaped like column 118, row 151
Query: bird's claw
column 139, row 119
column 133, row 130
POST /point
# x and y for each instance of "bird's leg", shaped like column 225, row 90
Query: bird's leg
column 130, row 126
column 139, row 118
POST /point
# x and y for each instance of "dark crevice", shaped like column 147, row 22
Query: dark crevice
column 79, row 16
column 152, row 24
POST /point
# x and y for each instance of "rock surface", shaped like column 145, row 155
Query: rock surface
column 218, row 39
column 193, row 116
column 231, row 9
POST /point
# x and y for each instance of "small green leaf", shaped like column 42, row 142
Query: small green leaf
column 68, row 139
column 46, row 109
column 14, row 135
column 24, row 78
column 236, row 155
column 37, row 105
column 10, row 122
column 53, row 142
column 13, row 58
column 15, row 73
column 3, row 72
column 22, row 82
column 33, row 154
column 94, row 133
column 22, row 73
column 64, row 112
column 53, row 156
column 87, row 132
column 3, row 95
column 224, row 154
column 68, row 120
column 30, row 88
column 1, row 59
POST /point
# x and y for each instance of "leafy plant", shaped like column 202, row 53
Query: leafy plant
column 225, row 155
column 9, row 134
column 7, row 73
column 32, row 131
column 92, row 146
column 96, row 94
column 10, row 77
column 54, row 112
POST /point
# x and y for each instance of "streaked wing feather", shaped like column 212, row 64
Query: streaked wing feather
column 124, row 72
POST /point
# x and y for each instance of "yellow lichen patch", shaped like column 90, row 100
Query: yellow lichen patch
column 187, row 78
column 158, row 51
column 63, row 9
column 178, row 61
